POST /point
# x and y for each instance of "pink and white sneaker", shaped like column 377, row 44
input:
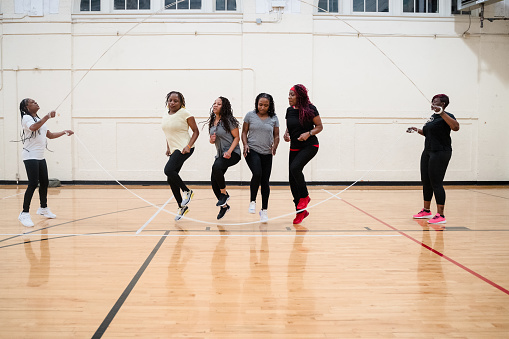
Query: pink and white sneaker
column 423, row 215
column 437, row 219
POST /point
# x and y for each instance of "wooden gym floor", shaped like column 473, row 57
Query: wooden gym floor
column 358, row 267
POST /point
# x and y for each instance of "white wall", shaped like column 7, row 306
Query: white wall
column 365, row 101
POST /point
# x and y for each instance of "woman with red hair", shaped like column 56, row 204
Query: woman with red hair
column 435, row 157
column 303, row 123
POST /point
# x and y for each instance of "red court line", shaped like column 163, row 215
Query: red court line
column 433, row 250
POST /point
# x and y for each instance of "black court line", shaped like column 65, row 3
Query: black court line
column 113, row 312
column 491, row 195
column 71, row 221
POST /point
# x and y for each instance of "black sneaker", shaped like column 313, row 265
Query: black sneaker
column 223, row 199
column 181, row 213
column 222, row 211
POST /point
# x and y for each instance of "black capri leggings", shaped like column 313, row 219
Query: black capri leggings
column 433, row 167
column 219, row 168
column 172, row 170
column 299, row 159
column 37, row 173
column 261, row 166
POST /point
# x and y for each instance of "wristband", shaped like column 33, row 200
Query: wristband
column 311, row 132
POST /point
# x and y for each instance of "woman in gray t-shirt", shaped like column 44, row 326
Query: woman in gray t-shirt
column 224, row 133
column 260, row 136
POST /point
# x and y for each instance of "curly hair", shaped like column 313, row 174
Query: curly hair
column 228, row 120
column 272, row 109
column 181, row 98
column 443, row 98
column 303, row 104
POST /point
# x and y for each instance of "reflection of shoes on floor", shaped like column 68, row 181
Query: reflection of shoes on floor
column 264, row 217
column 187, row 197
column 252, row 207
column 182, row 211
column 303, row 203
column 300, row 216
column 437, row 219
column 223, row 198
column 423, row 214
column 25, row 238
column 25, row 219
column 46, row 212
column 222, row 211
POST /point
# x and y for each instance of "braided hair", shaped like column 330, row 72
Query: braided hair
column 24, row 111
column 272, row 110
column 303, row 104
column 181, row 98
column 227, row 119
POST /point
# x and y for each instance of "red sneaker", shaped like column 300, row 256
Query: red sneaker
column 303, row 203
column 300, row 216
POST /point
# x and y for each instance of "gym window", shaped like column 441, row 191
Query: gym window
column 90, row 5
column 131, row 4
column 371, row 5
column 226, row 5
column 182, row 4
column 330, row 6
column 420, row 6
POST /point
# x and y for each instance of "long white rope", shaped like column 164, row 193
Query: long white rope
column 162, row 209
column 215, row 223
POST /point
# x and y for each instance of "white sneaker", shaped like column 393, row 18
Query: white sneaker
column 187, row 197
column 25, row 219
column 46, row 212
column 252, row 207
column 264, row 216
column 182, row 211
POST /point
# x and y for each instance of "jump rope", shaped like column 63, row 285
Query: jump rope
column 162, row 208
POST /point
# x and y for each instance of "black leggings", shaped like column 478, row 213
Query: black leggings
column 219, row 169
column 172, row 170
column 299, row 159
column 433, row 167
column 261, row 166
column 37, row 173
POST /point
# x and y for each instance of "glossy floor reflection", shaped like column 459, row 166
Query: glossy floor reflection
column 358, row 267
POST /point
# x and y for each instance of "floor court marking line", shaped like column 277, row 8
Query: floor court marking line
column 120, row 301
column 55, row 235
column 70, row 222
column 491, row 195
column 152, row 217
column 10, row 196
column 477, row 275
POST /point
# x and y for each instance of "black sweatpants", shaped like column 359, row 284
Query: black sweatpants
column 219, row 168
column 172, row 170
column 299, row 159
column 37, row 173
column 261, row 166
column 433, row 167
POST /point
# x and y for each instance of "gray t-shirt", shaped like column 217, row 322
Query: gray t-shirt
column 260, row 136
column 224, row 140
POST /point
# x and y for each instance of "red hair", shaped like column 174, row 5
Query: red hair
column 306, row 113
column 443, row 98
